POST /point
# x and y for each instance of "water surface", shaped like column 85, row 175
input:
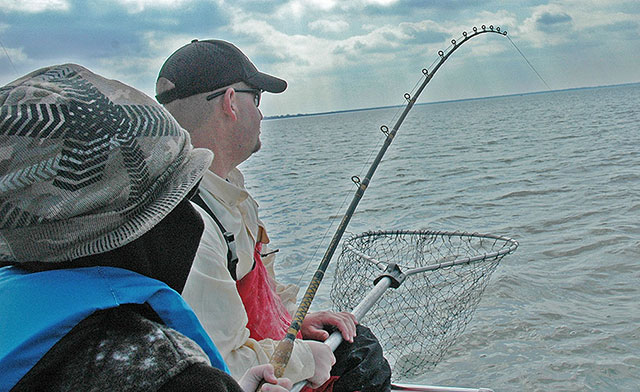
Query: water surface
column 558, row 171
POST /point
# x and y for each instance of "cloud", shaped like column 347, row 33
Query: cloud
column 136, row 6
column 392, row 42
column 423, row 32
column 383, row 3
column 595, row 18
column 301, row 8
column 408, row 9
column 506, row 20
column 34, row 6
column 264, row 44
column 306, row 53
column 319, row 45
column 559, row 23
column 329, row 26
column 17, row 55
column 547, row 19
column 105, row 32
column 383, row 40
column 549, row 24
column 629, row 27
column 13, row 55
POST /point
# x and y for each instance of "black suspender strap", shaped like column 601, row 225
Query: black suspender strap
column 232, row 256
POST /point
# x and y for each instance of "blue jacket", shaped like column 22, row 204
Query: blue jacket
column 38, row 309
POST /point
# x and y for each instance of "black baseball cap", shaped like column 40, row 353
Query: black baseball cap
column 203, row 66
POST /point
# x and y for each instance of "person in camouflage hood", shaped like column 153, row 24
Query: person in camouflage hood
column 97, row 237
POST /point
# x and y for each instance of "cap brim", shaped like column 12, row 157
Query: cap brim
column 267, row 82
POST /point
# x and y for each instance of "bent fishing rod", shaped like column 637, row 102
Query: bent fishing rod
column 282, row 353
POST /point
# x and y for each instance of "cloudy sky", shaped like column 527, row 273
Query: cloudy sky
column 337, row 55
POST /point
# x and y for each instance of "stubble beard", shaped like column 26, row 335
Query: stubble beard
column 257, row 147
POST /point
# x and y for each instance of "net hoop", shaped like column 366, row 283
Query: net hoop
column 510, row 246
column 444, row 276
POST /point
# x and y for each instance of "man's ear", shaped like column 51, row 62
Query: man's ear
column 229, row 104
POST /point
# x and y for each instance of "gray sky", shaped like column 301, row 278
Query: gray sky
column 337, row 55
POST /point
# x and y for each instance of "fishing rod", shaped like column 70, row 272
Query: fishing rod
column 282, row 353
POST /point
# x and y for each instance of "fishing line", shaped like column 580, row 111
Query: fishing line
column 530, row 65
column 337, row 216
column 400, row 107
column 282, row 353
column 9, row 58
column 322, row 240
column 355, row 179
column 366, row 163
column 384, row 128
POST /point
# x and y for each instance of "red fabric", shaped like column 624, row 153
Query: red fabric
column 326, row 387
column 268, row 318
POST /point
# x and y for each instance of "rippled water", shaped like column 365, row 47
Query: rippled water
column 558, row 171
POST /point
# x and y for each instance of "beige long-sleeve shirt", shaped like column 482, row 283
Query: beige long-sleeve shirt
column 211, row 291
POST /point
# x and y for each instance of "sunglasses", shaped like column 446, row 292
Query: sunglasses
column 256, row 94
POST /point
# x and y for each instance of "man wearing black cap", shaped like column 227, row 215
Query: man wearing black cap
column 214, row 90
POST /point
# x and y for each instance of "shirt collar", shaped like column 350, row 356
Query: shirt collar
column 230, row 191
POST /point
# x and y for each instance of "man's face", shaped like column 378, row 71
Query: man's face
column 250, row 116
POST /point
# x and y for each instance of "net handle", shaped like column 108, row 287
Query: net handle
column 359, row 311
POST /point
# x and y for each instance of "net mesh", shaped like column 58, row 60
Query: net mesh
column 419, row 321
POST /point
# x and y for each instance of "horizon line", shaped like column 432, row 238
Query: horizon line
column 283, row 116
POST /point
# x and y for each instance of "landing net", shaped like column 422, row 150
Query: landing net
column 445, row 275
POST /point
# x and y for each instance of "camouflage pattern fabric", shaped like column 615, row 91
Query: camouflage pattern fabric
column 87, row 164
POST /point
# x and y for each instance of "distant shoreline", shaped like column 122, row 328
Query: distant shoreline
column 283, row 116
